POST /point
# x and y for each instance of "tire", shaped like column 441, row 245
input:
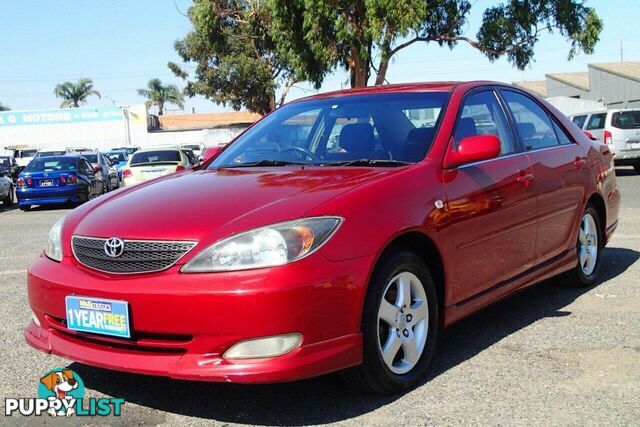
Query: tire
column 403, row 371
column 589, row 248
column 8, row 201
column 25, row 208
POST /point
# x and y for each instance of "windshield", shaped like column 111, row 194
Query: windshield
column 160, row 156
column 5, row 162
column 626, row 119
column 362, row 130
column 27, row 153
column 50, row 165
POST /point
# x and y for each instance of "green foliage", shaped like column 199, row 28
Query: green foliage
column 75, row 94
column 4, row 107
column 235, row 56
column 318, row 35
column 157, row 94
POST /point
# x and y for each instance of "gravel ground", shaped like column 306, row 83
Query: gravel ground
column 548, row 356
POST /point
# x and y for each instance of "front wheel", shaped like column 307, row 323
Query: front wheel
column 399, row 326
column 589, row 247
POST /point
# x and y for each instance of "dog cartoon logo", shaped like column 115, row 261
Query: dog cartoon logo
column 61, row 387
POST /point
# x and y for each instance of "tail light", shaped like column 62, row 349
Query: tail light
column 29, row 181
column 73, row 179
column 607, row 138
column 62, row 180
column 127, row 173
column 180, row 168
column 20, row 182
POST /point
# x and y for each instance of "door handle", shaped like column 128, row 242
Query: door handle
column 580, row 163
column 525, row 178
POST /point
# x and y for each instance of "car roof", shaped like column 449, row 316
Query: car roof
column 66, row 156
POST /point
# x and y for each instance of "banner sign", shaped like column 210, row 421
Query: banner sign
column 52, row 117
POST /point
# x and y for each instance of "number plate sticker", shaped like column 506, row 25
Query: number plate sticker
column 98, row 316
column 634, row 145
column 46, row 183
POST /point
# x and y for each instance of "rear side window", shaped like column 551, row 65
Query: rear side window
column 596, row 121
column 482, row 114
column 532, row 122
column 579, row 120
column 155, row 157
column 561, row 134
column 626, row 119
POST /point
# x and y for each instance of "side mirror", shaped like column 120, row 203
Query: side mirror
column 209, row 153
column 474, row 149
column 97, row 168
column 590, row 135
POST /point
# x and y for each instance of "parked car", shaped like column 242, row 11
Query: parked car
column 130, row 149
column 152, row 163
column 282, row 260
column 118, row 159
column 9, row 166
column 193, row 160
column 53, row 152
column 102, row 165
column 60, row 179
column 196, row 149
column 22, row 154
column 619, row 129
column 6, row 188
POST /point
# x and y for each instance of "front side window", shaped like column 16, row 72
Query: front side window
column 532, row 122
column 596, row 121
column 370, row 129
column 481, row 114
column 579, row 120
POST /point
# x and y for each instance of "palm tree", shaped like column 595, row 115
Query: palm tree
column 158, row 95
column 73, row 95
column 4, row 107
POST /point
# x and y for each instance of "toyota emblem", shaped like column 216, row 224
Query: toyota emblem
column 114, row 247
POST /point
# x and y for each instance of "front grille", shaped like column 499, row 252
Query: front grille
column 138, row 256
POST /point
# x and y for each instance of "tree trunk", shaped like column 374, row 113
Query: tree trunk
column 359, row 69
column 160, row 108
column 382, row 70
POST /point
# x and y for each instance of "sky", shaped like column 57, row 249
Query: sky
column 122, row 44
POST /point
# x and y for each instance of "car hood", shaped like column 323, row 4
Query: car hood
column 210, row 204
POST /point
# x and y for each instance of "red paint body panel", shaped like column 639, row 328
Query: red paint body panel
column 495, row 234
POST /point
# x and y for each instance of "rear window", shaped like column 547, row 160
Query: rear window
column 91, row 158
column 155, row 157
column 51, row 165
column 596, row 121
column 116, row 157
column 579, row 120
column 5, row 162
column 51, row 153
column 626, row 119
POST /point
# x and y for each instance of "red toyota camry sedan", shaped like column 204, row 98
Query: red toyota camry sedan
column 341, row 232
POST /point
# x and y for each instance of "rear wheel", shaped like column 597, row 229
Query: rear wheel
column 399, row 326
column 25, row 208
column 9, row 200
column 589, row 247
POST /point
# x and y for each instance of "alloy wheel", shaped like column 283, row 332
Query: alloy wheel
column 588, row 244
column 403, row 323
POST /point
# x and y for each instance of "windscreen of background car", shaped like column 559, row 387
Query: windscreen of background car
column 116, row 157
column 626, row 119
column 5, row 163
column 160, row 156
column 91, row 158
column 51, row 165
column 27, row 153
column 399, row 126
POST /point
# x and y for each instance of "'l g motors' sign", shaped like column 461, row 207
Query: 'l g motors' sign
column 68, row 115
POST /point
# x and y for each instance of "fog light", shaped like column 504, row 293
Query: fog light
column 264, row 347
column 35, row 319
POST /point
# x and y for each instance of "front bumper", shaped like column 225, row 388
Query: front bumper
column 183, row 323
column 42, row 196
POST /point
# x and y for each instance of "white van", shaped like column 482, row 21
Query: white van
column 619, row 129
column 22, row 153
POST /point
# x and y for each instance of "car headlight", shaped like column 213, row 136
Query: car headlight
column 269, row 246
column 54, row 241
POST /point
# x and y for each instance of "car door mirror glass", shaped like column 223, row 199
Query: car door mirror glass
column 474, row 149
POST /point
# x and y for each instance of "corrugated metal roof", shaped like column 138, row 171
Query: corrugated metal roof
column 539, row 87
column 627, row 69
column 578, row 80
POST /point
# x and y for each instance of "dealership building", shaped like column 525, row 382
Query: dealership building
column 104, row 128
column 603, row 86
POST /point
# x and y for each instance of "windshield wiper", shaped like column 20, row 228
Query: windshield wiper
column 266, row 162
column 369, row 162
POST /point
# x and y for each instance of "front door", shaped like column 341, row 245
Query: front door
column 491, row 204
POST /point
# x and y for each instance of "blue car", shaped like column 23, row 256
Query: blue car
column 119, row 160
column 60, row 179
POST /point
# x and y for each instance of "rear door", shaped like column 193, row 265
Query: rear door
column 491, row 205
column 596, row 124
column 560, row 171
